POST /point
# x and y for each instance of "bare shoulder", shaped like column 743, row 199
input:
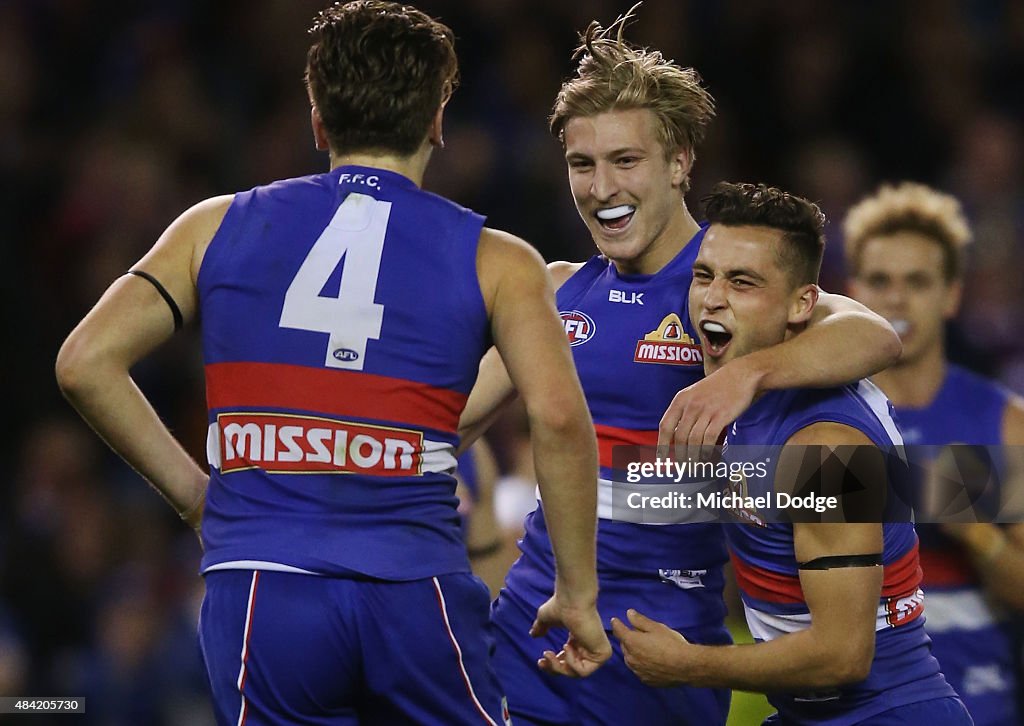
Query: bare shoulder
column 500, row 247
column 828, row 433
column 507, row 263
column 562, row 271
column 201, row 223
column 1013, row 422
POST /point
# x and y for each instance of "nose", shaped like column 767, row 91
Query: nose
column 603, row 185
column 715, row 294
column 895, row 297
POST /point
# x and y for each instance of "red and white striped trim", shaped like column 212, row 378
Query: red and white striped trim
column 244, row 708
column 458, row 652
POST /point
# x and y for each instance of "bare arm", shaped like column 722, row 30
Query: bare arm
column 494, row 389
column 129, row 322
column 837, row 647
column 490, row 551
column 843, row 342
column 998, row 552
column 531, row 341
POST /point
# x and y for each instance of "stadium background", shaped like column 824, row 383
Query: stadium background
column 116, row 117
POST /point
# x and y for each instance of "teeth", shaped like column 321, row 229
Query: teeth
column 615, row 212
column 902, row 327
column 713, row 327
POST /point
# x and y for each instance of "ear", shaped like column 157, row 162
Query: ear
column 319, row 132
column 802, row 304
column 951, row 303
column 435, row 135
column 681, row 163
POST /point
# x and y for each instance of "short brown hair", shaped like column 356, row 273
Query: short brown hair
column 909, row 207
column 377, row 73
column 615, row 75
column 759, row 205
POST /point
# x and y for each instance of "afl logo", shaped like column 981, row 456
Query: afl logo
column 579, row 327
column 346, row 354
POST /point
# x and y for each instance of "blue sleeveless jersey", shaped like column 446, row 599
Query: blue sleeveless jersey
column 971, row 640
column 634, row 349
column 903, row 671
column 343, row 326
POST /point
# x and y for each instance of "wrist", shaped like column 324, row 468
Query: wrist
column 576, row 597
column 754, row 369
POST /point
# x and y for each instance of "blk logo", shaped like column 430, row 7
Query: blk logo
column 629, row 298
column 579, row 327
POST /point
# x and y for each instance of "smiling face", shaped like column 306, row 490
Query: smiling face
column 742, row 298
column 626, row 190
column 902, row 278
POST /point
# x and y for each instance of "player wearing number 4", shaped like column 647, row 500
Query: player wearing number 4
column 836, row 607
column 344, row 316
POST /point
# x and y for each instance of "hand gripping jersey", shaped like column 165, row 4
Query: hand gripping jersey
column 970, row 639
column 903, row 671
column 634, row 350
column 343, row 326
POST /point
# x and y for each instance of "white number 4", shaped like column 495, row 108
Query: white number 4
column 356, row 232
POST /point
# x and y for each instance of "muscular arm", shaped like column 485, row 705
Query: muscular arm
column 129, row 322
column 531, row 342
column 836, row 648
column 843, row 342
column 493, row 388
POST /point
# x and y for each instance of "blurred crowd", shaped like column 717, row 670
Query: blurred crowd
column 116, row 117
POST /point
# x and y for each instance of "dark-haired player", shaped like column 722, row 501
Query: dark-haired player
column 836, row 607
column 338, row 587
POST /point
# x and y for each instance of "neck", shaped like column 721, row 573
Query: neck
column 412, row 167
column 914, row 384
column 673, row 238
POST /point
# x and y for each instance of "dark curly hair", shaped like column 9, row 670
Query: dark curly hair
column 377, row 72
column 759, row 205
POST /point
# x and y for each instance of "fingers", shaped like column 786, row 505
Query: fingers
column 556, row 664
column 538, row 628
column 640, row 621
column 619, row 629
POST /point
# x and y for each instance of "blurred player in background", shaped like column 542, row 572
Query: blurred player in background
column 630, row 122
column 836, row 606
column 905, row 255
column 338, row 587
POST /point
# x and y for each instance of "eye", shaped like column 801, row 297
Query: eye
column 627, row 161
column 580, row 164
column 877, row 282
column 742, row 282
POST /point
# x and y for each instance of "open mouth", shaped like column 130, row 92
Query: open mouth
column 716, row 336
column 615, row 218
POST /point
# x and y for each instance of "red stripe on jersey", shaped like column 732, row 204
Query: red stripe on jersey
column 611, row 436
column 947, row 567
column 765, row 585
column 333, row 392
column 902, row 575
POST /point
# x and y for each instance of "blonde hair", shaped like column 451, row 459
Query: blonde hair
column 615, row 75
column 909, row 207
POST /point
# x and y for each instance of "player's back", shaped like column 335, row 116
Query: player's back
column 343, row 326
